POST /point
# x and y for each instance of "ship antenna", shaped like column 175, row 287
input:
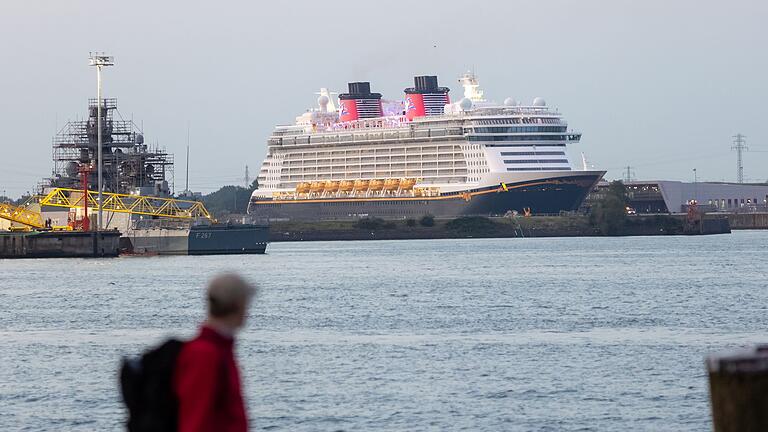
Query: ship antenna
column 583, row 162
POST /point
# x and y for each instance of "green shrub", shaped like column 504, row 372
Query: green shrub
column 471, row 225
column 410, row 222
column 669, row 224
column 229, row 199
column 373, row 223
column 427, row 221
column 609, row 215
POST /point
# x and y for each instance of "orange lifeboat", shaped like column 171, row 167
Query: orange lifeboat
column 391, row 184
column 302, row 187
column 407, row 183
column 331, row 186
column 376, row 185
column 346, row 185
column 317, row 186
column 361, row 185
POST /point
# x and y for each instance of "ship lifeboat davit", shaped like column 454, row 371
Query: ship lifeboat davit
column 407, row 183
column 317, row 186
column 346, row 185
column 331, row 186
column 302, row 188
column 361, row 185
column 391, row 184
column 376, row 185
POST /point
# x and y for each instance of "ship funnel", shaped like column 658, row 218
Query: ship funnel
column 425, row 98
column 359, row 103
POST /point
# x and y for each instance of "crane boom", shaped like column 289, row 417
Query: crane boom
column 124, row 203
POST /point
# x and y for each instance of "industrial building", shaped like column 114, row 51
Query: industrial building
column 666, row 196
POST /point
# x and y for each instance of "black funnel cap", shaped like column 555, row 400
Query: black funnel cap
column 359, row 87
column 426, row 84
column 360, row 90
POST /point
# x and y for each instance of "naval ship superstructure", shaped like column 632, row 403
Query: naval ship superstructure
column 420, row 156
column 134, row 171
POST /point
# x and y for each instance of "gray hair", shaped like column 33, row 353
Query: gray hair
column 228, row 293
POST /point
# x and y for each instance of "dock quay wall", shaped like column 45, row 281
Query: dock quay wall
column 53, row 244
column 536, row 226
column 748, row 220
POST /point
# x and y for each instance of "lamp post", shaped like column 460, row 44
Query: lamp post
column 99, row 60
column 695, row 186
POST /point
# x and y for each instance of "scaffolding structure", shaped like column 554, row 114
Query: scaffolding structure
column 130, row 165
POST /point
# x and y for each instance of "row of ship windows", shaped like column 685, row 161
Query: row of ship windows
column 527, row 145
column 449, row 175
column 526, row 161
column 517, row 138
column 523, row 120
column 355, row 164
column 363, row 135
column 377, row 169
column 540, row 169
column 541, row 153
column 359, row 204
column 516, row 129
column 379, row 165
column 375, row 152
column 376, row 159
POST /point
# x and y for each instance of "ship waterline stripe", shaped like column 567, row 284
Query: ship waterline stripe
column 437, row 198
column 540, row 169
column 534, row 153
column 535, row 161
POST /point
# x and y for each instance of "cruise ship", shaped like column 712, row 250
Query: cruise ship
column 363, row 156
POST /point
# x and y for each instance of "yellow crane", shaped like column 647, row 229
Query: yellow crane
column 113, row 202
column 124, row 203
column 22, row 215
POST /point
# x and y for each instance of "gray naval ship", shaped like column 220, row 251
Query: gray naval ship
column 134, row 169
column 169, row 237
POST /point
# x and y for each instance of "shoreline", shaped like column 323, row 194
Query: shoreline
column 478, row 227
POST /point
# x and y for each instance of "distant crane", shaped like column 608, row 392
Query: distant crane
column 740, row 145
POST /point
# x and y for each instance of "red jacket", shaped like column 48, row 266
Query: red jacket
column 207, row 384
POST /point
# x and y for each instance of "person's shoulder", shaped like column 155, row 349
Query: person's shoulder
column 200, row 346
column 199, row 350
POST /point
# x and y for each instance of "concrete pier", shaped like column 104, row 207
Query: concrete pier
column 58, row 244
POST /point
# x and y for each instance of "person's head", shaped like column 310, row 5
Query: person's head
column 228, row 298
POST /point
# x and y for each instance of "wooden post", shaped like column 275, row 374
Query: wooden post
column 738, row 388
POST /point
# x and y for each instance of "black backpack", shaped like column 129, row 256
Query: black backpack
column 147, row 388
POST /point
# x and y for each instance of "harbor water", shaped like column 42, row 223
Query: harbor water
column 549, row 334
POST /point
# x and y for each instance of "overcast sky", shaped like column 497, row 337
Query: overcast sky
column 658, row 85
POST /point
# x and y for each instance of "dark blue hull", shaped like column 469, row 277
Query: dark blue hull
column 544, row 196
column 224, row 239
column 215, row 239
